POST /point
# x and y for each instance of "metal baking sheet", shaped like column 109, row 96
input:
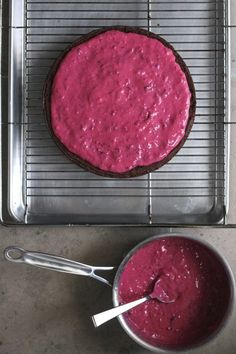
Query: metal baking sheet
column 40, row 186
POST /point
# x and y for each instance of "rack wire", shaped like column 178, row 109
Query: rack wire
column 190, row 188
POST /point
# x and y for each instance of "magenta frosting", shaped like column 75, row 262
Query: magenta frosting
column 190, row 275
column 120, row 101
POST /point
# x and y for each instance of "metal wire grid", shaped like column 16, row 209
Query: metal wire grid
column 193, row 181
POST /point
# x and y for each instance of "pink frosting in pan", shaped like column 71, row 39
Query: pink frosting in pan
column 120, row 101
column 184, row 272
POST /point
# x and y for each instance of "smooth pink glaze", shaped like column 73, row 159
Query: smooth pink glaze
column 120, row 101
column 197, row 282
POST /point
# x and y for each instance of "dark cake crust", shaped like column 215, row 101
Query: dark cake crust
column 139, row 170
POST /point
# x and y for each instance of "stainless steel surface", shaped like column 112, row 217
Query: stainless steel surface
column 41, row 186
column 142, row 342
column 108, row 315
column 51, row 262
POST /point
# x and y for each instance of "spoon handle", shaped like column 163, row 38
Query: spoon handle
column 51, row 262
column 108, row 315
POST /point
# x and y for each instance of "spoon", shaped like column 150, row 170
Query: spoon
column 164, row 291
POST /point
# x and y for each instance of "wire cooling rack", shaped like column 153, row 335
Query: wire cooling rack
column 190, row 189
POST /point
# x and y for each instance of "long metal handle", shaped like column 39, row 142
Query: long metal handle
column 108, row 315
column 51, row 262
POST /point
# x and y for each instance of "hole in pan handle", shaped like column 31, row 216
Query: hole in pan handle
column 14, row 254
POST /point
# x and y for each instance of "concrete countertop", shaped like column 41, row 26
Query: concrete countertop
column 48, row 312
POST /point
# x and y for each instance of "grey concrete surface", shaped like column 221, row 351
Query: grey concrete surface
column 47, row 312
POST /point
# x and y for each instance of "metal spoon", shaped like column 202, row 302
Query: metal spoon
column 162, row 291
column 51, row 262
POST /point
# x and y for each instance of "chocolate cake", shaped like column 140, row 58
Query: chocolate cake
column 119, row 102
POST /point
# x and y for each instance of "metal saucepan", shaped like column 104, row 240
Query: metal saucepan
column 60, row 264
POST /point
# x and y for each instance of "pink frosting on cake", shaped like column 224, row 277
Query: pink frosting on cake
column 120, row 101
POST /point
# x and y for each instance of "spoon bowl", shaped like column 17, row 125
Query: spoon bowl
column 165, row 290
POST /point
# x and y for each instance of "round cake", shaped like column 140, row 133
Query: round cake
column 120, row 102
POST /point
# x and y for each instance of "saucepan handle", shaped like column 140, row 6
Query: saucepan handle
column 52, row 262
